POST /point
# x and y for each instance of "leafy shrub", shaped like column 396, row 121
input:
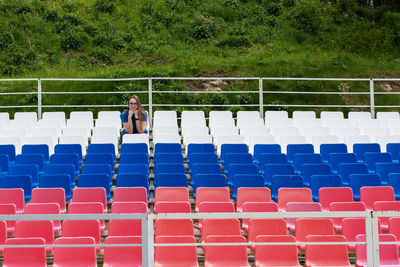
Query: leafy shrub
column 6, row 39
column 204, row 28
column 105, row 6
column 50, row 15
column 101, row 56
column 234, row 41
column 306, row 16
column 73, row 39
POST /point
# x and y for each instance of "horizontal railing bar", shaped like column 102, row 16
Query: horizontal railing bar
column 71, row 245
column 205, row 78
column 255, row 244
column 385, row 79
column 316, row 93
column 74, row 217
column 387, row 93
column 19, row 80
column 94, row 79
column 18, row 106
column 85, row 106
column 206, row 92
column 316, row 106
column 211, row 105
column 387, row 106
column 20, row 93
column 88, row 93
column 316, row 79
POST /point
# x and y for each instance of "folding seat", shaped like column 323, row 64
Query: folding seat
column 194, row 158
column 74, row 140
column 256, row 207
column 276, row 169
column 370, row 194
column 122, row 256
column 14, row 141
column 167, row 148
column 232, row 148
column 26, row 116
column 133, row 180
column 203, row 168
column 252, row 194
column 344, row 206
column 45, row 208
column 307, row 170
column 165, row 114
column 250, row 123
column 254, row 140
column 37, row 149
column 357, row 181
column 217, row 124
column 141, row 168
column 300, row 207
column 219, row 227
column 278, row 114
column 7, row 209
column 351, row 227
column 47, row 136
column 235, row 169
column 68, row 169
column 265, row 148
column 282, row 131
column 9, row 150
column 75, row 256
column 336, row 158
column 87, row 208
column 220, row 194
column 277, row 123
column 82, row 228
column 285, row 255
column 346, row 169
column 286, row 195
column 55, row 115
column 70, row 148
column 85, row 128
column 41, row 229
column 32, row 256
column 100, row 158
column 313, row 226
column 303, row 115
column 236, row 158
column 14, row 196
column 292, row 149
column 167, row 138
column 66, row 158
column 78, row 115
column 96, row 194
column 160, row 122
column 25, row 169
column 173, row 227
column 386, row 206
column 176, row 256
column 318, row 140
column 254, row 130
column 359, row 115
column 127, row 227
column 200, row 148
column 170, row 180
column 105, row 131
column 326, row 115
column 95, row 180
column 286, row 181
column 18, row 181
column 351, row 140
column 320, row 181
column 386, row 168
column 3, row 234
column 393, row 148
column 57, row 181
column 194, row 130
column 98, row 168
column 130, row 194
column 326, row 255
column 171, row 194
column 209, row 206
column 168, row 158
column 334, row 194
column 343, row 131
column 37, row 159
column 135, row 138
column 101, row 148
column 172, row 207
column 314, row 129
column 394, row 227
column 226, row 255
column 326, row 149
column 246, row 180
column 198, row 140
column 108, row 122
column 134, row 148
column 394, row 181
column 371, row 158
column 387, row 115
column 305, row 158
column 271, row 158
column 220, row 114
column 49, row 195
column 388, row 255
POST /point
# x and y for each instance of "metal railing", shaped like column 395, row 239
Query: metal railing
column 148, row 245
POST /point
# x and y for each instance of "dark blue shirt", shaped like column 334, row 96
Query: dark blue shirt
column 124, row 119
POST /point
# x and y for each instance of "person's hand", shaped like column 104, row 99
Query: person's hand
column 130, row 114
column 136, row 113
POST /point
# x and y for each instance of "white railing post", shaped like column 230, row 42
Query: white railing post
column 150, row 240
column 372, row 98
column 372, row 239
column 145, row 246
column 150, row 88
column 39, row 99
column 261, row 97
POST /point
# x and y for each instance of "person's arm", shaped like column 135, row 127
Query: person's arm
column 140, row 124
column 128, row 125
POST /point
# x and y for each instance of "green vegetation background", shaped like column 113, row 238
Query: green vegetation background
column 235, row 38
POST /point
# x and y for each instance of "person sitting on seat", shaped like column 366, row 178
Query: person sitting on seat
column 135, row 118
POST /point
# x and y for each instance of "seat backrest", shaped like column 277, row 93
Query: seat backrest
column 293, row 149
column 14, row 196
column 286, row 195
column 346, row 169
column 246, row 180
column 326, row 149
column 57, row 181
column 9, row 150
column 36, row 149
column 226, row 255
column 82, row 228
column 170, row 180
column 93, row 194
column 122, row 256
column 32, row 256
column 288, row 181
column 62, row 169
column 126, row 227
column 134, row 148
column 179, row 255
column 95, row 180
column 326, row 255
column 345, row 206
column 361, row 148
column 207, row 206
column 171, row 194
column 300, row 207
column 305, row 158
column 18, row 181
column 273, row 254
column 172, row 227
column 276, row 169
column 370, row 194
column 334, row 194
column 75, row 255
column 252, row 194
column 259, row 227
column 357, row 181
column 220, row 227
column 321, row 181
column 388, row 254
column 336, row 158
column 385, row 168
column 309, row 169
column 217, row 194
column 37, row 159
column 43, row 229
column 130, row 194
column 65, row 158
column 172, row 207
column 313, row 226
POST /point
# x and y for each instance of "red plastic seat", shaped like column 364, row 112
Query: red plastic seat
column 126, row 227
column 312, row 226
column 28, row 256
column 388, row 255
column 276, row 255
column 174, row 227
column 45, row 208
column 9, row 209
column 50, row 195
column 3, row 235
column 122, row 256
column 87, row 208
column 334, row 194
column 75, row 256
column 82, row 228
column 351, row 227
column 252, row 194
column 386, row 206
column 286, row 195
column 184, row 256
column 130, row 194
column 226, row 255
column 257, row 207
column 14, row 196
column 300, row 207
column 220, row 227
column 259, row 227
column 394, row 227
column 171, row 194
column 214, row 207
column 92, row 194
column 370, row 194
column 41, row 229
column 214, row 194
column 172, row 207
column 326, row 255
column 344, row 206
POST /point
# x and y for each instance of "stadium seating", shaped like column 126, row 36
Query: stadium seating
column 122, row 256
column 226, row 255
column 32, row 256
column 388, row 255
column 285, row 255
column 73, row 256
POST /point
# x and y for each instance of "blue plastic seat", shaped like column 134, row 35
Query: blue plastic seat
column 18, row 181
column 392, row 148
column 169, row 168
column 326, row 149
column 26, row 169
column 385, row 168
column 307, row 170
column 265, row 148
column 133, row 168
column 55, row 181
column 359, row 180
column 37, row 159
column 3, row 164
column 209, row 180
column 203, row 168
column 237, row 158
column 168, row 158
column 361, row 148
column 134, row 148
column 240, row 169
column 37, row 149
column 194, row 158
column 371, row 158
column 394, row 181
column 9, row 150
column 347, row 169
column 95, row 180
column 62, row 169
column 171, row 180
column 102, row 148
column 319, row 181
column 167, row 148
column 246, row 180
column 134, row 158
column 271, row 158
column 336, row 158
column 66, row 158
column 200, row 148
column 100, row 158
column 132, row 180
column 298, row 148
column 305, row 158
column 232, row 148
column 275, row 169
column 98, row 168
column 68, row 149
column 287, row 181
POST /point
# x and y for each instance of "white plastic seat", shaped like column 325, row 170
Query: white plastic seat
column 109, row 114
column 135, row 138
column 310, row 132
column 303, row 115
column 307, row 123
column 40, row 140
column 106, row 139
column 223, row 114
column 50, row 124
column 165, row 122
column 80, row 124
column 342, row 132
column 106, row 131
column 284, row 131
column 250, row 122
column 167, row 138
column 384, row 140
column 367, row 123
column 105, row 122
column 261, row 139
column 221, row 122
column 351, row 140
column 331, row 115
column 76, row 131
column 359, row 115
column 220, row 131
column 165, row 114
column 77, row 139
column 195, row 130
column 16, row 132
column 193, row 122
column 247, row 115
column 12, row 140
column 336, row 123
column 4, row 116
column 275, row 123
column 323, row 139
column 52, row 132
column 373, row 132
column 57, row 115
column 388, row 115
column 26, row 116
column 173, row 130
column 291, row 139
column 197, row 139
column 254, row 131
column 276, row 114
column 392, row 125
column 20, row 124
column 192, row 114
column 228, row 139
column 82, row 115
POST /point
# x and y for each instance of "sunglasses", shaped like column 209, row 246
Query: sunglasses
column 133, row 103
